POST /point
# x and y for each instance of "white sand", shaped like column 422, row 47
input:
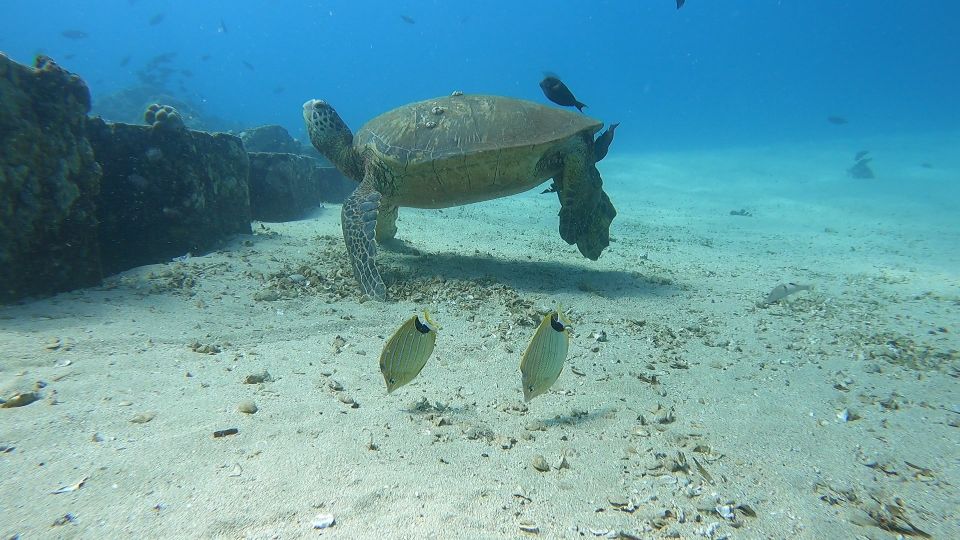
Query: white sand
column 755, row 391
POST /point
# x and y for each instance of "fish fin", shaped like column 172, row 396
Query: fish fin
column 433, row 326
column 580, row 105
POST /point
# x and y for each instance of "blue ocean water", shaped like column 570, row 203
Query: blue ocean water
column 711, row 74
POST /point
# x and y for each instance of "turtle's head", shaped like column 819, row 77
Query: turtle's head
column 331, row 137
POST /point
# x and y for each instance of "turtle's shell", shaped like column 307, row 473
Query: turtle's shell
column 466, row 148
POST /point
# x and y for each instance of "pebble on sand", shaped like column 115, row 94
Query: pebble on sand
column 247, row 406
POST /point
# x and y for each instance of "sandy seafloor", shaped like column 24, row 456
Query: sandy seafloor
column 700, row 402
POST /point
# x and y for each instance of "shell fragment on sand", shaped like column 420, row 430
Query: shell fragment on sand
column 407, row 351
column 323, row 521
column 542, row 361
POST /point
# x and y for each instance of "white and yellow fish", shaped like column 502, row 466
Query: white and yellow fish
column 784, row 290
column 407, row 351
column 542, row 362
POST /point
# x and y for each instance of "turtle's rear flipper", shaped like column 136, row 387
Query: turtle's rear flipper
column 358, row 218
column 585, row 210
column 580, row 188
column 596, row 236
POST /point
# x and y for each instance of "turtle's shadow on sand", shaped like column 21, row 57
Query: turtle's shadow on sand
column 535, row 276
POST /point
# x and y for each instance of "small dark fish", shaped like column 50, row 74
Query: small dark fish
column 222, row 28
column 558, row 92
column 407, row 19
column 70, row 56
column 248, row 65
column 74, row 34
column 680, row 3
column 124, row 61
column 926, row 165
column 157, row 19
column 279, row 90
column 186, row 73
column 837, row 120
column 861, row 169
column 860, row 155
column 602, row 144
column 204, row 57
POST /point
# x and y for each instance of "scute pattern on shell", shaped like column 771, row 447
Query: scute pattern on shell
column 468, row 125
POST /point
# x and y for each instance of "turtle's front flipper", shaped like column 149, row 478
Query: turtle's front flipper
column 358, row 218
column 386, row 223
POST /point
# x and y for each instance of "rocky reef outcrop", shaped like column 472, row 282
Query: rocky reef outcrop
column 81, row 197
column 270, row 138
column 285, row 187
column 167, row 190
column 49, row 182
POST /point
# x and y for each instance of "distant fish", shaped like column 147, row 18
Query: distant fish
column 124, row 61
column 407, row 19
column 860, row 155
column 204, row 57
column 157, row 19
column 558, row 92
column 74, row 34
column 279, row 90
column 837, row 120
column 407, row 351
column 222, row 28
column 542, row 361
column 784, row 290
column 680, row 3
column 926, row 165
column 163, row 58
column 861, row 169
column 248, row 65
column 602, row 144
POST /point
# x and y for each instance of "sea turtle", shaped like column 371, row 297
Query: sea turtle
column 456, row 150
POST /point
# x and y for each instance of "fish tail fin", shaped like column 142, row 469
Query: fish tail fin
column 580, row 106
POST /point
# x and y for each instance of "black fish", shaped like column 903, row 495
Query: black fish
column 602, row 144
column 74, row 34
column 157, row 19
column 680, row 3
column 861, row 169
column 408, row 20
column 248, row 65
column 837, row 120
column 860, row 155
column 558, row 92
